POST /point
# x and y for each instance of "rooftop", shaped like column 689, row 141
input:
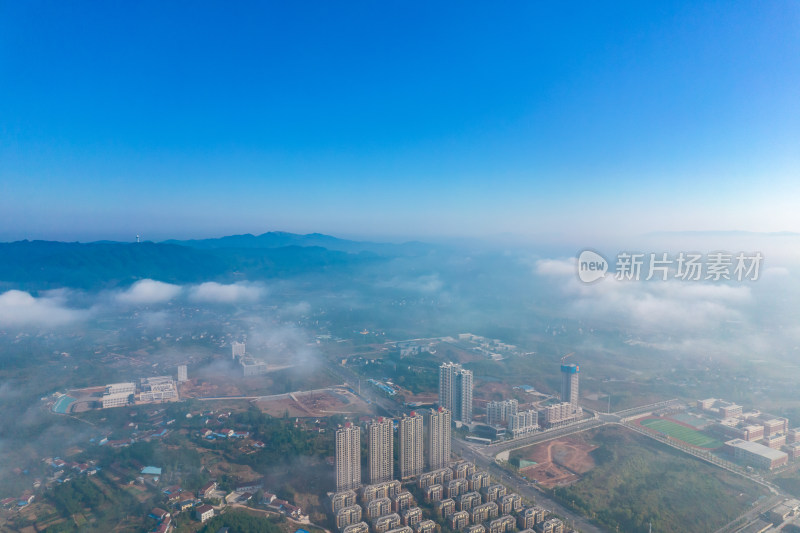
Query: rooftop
column 756, row 448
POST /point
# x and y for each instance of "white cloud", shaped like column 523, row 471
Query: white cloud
column 148, row 291
column 214, row 292
column 555, row 267
column 776, row 272
column 299, row 308
column 19, row 308
column 659, row 307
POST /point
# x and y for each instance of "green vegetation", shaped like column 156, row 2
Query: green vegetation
column 683, row 433
column 107, row 503
column 243, row 522
column 282, row 439
column 637, row 481
column 789, row 481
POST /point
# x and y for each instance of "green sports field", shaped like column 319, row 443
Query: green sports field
column 677, row 431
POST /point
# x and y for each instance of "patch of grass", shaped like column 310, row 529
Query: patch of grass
column 677, row 431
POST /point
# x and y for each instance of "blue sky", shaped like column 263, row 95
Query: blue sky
column 397, row 120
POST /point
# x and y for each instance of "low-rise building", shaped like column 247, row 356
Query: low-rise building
column 412, row 517
column 434, row 493
column 440, row 476
column 468, row 500
column 427, row 526
column 484, row 512
column 560, row 412
column 401, row 529
column 457, row 487
column 755, row 454
column 773, row 426
column 250, row 486
column 340, row 500
column 119, row 399
column 446, row 507
column 529, row 517
column 361, row 527
column 784, row 510
column 382, row 524
column 204, row 512
column 379, row 507
column 387, row 489
column 504, row 524
column 524, row 423
column 459, row 520
column 775, row 441
column 347, row 516
column 159, row 514
column 402, row 501
column 553, row 525
column 793, row 450
column 510, row 503
column 494, row 492
column 479, row 480
column 207, row 489
column 462, row 469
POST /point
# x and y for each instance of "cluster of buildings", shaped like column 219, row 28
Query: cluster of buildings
column 568, row 409
column 506, row 413
column 424, row 441
column 755, row 438
column 494, row 349
column 409, row 348
column 461, row 496
column 150, row 390
column 249, row 365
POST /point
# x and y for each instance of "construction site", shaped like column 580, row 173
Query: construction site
column 315, row 403
column 557, row 462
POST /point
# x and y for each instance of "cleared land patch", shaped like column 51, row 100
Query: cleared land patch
column 559, row 462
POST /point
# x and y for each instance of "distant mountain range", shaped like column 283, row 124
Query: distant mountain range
column 279, row 239
column 36, row 265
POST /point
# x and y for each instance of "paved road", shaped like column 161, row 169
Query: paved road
column 494, row 449
column 751, row 515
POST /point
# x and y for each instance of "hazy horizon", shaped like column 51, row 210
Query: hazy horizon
column 530, row 121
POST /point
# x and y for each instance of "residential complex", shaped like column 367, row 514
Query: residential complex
column 437, row 438
column 381, row 450
column 455, row 391
column 475, row 503
column 410, row 433
column 523, row 423
column 348, row 457
column 499, row 412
